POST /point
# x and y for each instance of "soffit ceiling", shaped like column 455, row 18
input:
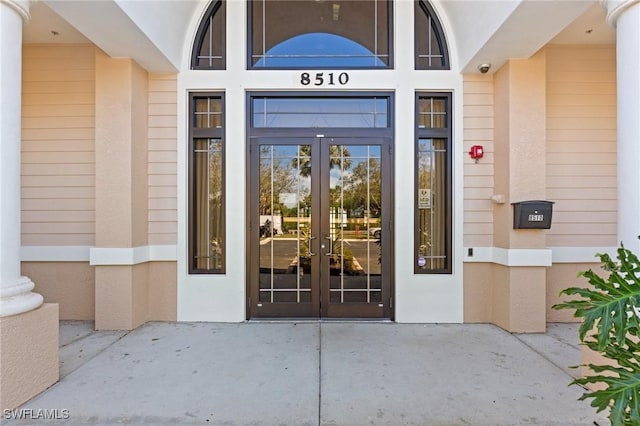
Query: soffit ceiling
column 113, row 29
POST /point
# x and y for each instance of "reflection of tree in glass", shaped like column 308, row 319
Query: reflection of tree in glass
column 362, row 188
column 211, row 155
column 339, row 156
column 276, row 177
column 215, row 175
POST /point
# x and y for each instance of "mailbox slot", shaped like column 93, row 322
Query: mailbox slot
column 532, row 214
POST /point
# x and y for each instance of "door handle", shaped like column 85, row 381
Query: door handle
column 330, row 252
column 309, row 242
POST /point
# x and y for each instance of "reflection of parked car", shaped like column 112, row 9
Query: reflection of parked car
column 375, row 232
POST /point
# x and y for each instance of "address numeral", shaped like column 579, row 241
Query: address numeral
column 324, row 79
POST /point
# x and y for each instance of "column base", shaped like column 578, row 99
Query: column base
column 29, row 354
column 16, row 297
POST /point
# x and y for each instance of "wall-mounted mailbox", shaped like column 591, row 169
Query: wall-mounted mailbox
column 532, row 214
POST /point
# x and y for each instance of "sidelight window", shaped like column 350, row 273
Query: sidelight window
column 433, row 191
column 206, row 185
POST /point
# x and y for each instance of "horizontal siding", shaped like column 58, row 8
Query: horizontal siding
column 581, row 145
column 58, row 138
column 162, row 157
column 478, row 177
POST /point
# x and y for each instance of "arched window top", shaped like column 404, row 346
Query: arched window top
column 431, row 45
column 209, row 45
column 294, row 34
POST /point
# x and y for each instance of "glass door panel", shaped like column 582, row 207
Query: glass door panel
column 353, row 265
column 285, row 223
column 284, row 282
column 317, row 248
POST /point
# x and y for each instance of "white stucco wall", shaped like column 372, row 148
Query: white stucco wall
column 417, row 298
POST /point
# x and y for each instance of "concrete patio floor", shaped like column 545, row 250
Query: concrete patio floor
column 315, row 373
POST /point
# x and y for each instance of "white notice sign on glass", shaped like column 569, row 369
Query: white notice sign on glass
column 424, row 198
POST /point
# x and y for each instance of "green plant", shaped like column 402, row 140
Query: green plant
column 610, row 310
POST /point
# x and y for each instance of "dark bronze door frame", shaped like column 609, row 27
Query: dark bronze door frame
column 320, row 208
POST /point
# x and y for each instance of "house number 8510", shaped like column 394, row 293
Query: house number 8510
column 324, row 79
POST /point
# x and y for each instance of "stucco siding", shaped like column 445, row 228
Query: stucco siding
column 162, row 177
column 478, row 177
column 69, row 284
column 58, row 134
column 581, row 145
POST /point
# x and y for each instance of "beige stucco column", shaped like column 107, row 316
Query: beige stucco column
column 519, row 287
column 121, row 192
column 28, row 328
column 624, row 15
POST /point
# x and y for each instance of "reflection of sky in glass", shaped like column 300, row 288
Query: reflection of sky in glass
column 425, row 152
column 320, row 112
column 285, row 151
column 362, row 151
column 319, row 50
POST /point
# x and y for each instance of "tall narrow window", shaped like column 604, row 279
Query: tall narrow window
column 433, row 191
column 297, row 34
column 209, row 45
column 431, row 45
column 206, row 185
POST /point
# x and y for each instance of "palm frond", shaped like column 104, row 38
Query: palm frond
column 611, row 307
column 611, row 304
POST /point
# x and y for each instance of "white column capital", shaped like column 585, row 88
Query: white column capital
column 615, row 8
column 20, row 6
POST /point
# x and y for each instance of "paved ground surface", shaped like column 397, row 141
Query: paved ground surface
column 311, row 373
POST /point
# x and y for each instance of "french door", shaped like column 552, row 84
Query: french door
column 320, row 227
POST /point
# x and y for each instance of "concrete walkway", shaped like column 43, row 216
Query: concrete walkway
column 311, row 373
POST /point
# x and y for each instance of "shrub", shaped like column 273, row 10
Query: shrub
column 610, row 311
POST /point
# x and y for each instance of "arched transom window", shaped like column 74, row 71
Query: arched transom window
column 319, row 34
column 209, row 45
column 431, row 46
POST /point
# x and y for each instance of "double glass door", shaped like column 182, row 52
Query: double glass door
column 320, row 224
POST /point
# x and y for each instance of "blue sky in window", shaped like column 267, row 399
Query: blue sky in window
column 319, row 50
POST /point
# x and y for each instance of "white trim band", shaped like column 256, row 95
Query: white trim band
column 168, row 253
column 509, row 257
column 54, row 253
column 536, row 257
column 99, row 255
column 131, row 256
column 581, row 254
